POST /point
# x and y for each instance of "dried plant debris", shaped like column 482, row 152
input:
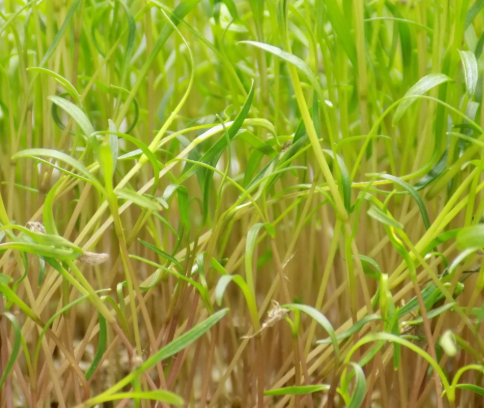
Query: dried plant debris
column 275, row 315
column 35, row 226
column 93, row 258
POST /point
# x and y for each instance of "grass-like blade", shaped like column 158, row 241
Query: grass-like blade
column 13, row 353
column 469, row 64
column 414, row 194
column 353, row 329
column 320, row 319
column 138, row 199
column 471, row 237
column 55, row 154
column 425, row 84
column 101, row 347
column 297, row 390
column 169, row 350
column 384, row 218
column 75, row 113
column 61, row 81
column 158, row 395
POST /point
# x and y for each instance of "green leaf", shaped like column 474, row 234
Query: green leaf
column 55, row 154
column 473, row 12
column 61, row 81
column 101, row 347
column 215, row 152
column 76, row 113
column 54, row 317
column 222, row 284
column 380, row 216
column 353, row 329
column 320, row 319
column 250, row 247
column 138, row 199
column 444, row 237
column 13, row 353
column 370, row 267
column 415, row 196
column 471, row 387
column 292, row 59
column 183, row 204
column 5, row 279
column 433, row 174
column 345, row 179
column 422, row 86
column 169, row 350
column 471, row 237
column 447, row 342
column 469, row 63
column 297, row 390
column 60, row 34
column 128, row 52
column 359, row 392
column 158, row 395
column 113, row 144
column 161, row 253
column 340, row 25
column 48, row 210
column 433, row 313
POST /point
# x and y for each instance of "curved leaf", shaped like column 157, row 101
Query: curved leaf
column 469, row 63
column 17, row 341
column 55, row 154
column 319, row 318
column 353, row 329
column 297, row 390
column 422, row 86
column 76, row 113
column 169, row 350
column 250, row 247
column 414, row 194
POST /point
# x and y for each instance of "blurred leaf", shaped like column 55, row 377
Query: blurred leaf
column 469, row 63
column 138, row 199
column 341, row 25
column 422, row 86
column 13, row 353
column 447, row 342
column 55, row 154
column 358, row 396
column 169, row 350
column 414, row 194
column 250, row 247
column 353, row 329
column 433, row 313
column 162, row 254
column 320, row 319
column 60, row 33
column 61, row 81
column 471, row 387
column 370, row 267
column 5, row 279
column 473, row 12
column 101, row 347
column 433, row 174
column 471, row 237
column 380, row 216
column 113, row 144
column 297, row 390
column 76, row 113
column 345, row 179
column 444, row 237
column 183, row 204
column 158, row 395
